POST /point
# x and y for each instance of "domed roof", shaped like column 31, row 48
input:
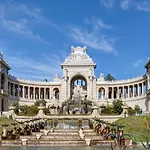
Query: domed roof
column 78, row 56
column 109, row 77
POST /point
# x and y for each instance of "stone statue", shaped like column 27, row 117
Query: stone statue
column 101, row 75
column 78, row 90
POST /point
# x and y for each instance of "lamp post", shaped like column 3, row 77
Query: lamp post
column 118, row 135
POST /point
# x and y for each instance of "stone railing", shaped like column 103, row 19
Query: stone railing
column 41, row 115
column 137, row 79
column 15, row 79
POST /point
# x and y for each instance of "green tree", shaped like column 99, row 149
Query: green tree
column 16, row 104
column 117, row 107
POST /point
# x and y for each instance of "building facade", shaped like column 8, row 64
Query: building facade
column 78, row 77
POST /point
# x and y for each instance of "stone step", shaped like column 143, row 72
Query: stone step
column 56, row 143
column 30, row 137
column 59, row 137
column 11, row 143
column 89, row 133
column 65, row 130
column 88, row 130
column 93, row 137
column 63, row 133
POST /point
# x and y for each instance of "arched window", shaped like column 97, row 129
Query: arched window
column 56, row 93
column 101, row 93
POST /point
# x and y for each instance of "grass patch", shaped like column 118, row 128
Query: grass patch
column 135, row 125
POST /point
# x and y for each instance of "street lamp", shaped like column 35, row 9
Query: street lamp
column 118, row 135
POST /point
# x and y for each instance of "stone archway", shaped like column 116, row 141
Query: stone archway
column 78, row 85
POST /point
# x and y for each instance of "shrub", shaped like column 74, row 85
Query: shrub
column 131, row 111
column 40, row 102
column 137, row 109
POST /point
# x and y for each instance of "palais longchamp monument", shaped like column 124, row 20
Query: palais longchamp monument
column 78, row 83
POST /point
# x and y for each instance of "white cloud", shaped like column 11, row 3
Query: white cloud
column 20, row 27
column 124, row 4
column 23, row 23
column 94, row 38
column 137, row 63
column 141, row 5
column 35, row 13
column 145, row 6
column 97, row 24
column 107, row 3
column 32, row 69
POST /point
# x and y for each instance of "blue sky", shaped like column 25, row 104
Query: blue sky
column 36, row 35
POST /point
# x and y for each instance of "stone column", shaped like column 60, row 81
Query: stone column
column 90, row 88
column 50, row 93
column 133, row 91
column 128, row 91
column 45, row 93
column 106, row 93
column 112, row 94
column 8, row 89
column 39, row 93
column 18, row 91
column 138, row 90
column 13, row 90
column 66, row 84
column 28, row 92
column 142, row 88
column 117, row 92
column 6, row 83
column 23, row 92
column 34, row 93
column 123, row 92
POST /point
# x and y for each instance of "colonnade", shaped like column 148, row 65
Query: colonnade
column 122, row 92
column 32, row 92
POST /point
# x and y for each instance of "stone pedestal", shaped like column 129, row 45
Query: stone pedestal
column 12, row 109
column 41, row 112
column 24, row 142
column 88, row 142
column 124, row 112
column 95, row 113
column 11, row 113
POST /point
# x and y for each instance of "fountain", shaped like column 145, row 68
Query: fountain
column 78, row 104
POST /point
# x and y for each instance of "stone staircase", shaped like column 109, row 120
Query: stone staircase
column 60, row 137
